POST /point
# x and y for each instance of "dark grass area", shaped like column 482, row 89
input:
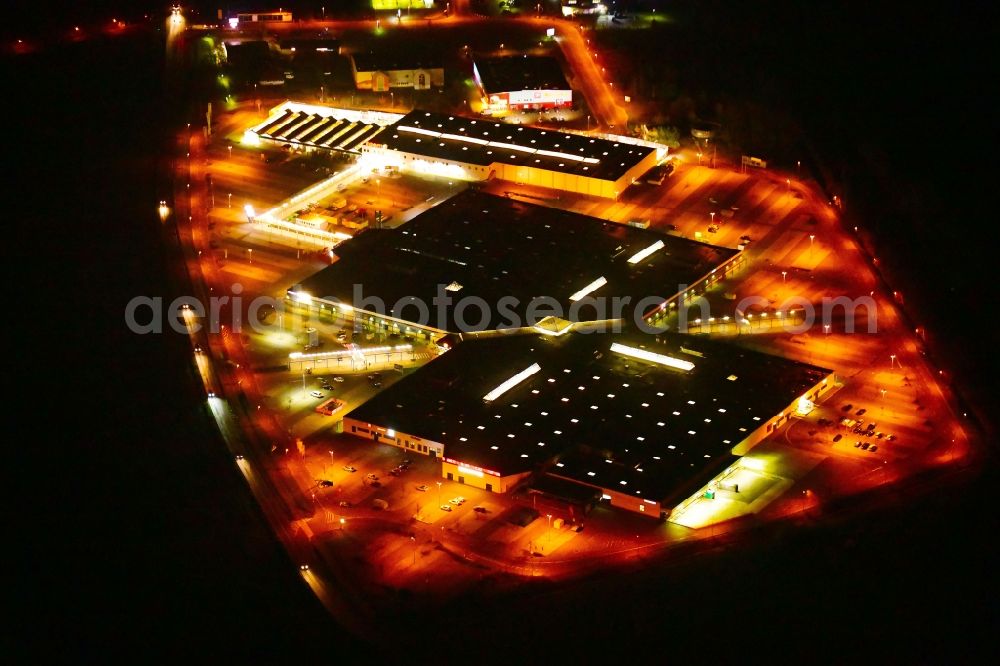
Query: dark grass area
column 143, row 538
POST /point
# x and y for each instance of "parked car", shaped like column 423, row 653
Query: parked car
column 446, row 507
column 422, row 488
column 350, row 468
column 317, row 394
column 345, row 504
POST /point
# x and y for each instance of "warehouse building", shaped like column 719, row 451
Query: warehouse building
column 522, row 83
column 506, row 264
column 469, row 149
column 381, row 72
column 643, row 420
column 312, row 127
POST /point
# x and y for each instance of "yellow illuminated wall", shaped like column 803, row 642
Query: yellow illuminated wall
column 389, row 436
column 526, row 175
column 402, row 4
column 471, row 477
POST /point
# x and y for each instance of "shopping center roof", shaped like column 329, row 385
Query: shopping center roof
column 523, row 261
column 650, row 416
column 483, row 142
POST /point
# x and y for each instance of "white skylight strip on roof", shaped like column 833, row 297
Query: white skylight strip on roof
column 510, row 146
column 417, row 130
column 511, row 382
column 497, row 144
column 564, row 156
column 590, row 288
column 652, row 357
column 465, row 139
column 642, row 254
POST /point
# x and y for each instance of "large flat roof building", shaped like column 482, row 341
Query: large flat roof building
column 477, row 149
column 522, row 82
column 646, row 420
column 523, row 262
column 382, row 71
column 313, row 126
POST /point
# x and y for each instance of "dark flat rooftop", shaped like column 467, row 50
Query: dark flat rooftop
column 390, row 62
column 483, row 142
column 310, row 44
column 521, row 73
column 497, row 248
column 609, row 419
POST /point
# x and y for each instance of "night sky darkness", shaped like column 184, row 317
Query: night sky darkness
column 134, row 534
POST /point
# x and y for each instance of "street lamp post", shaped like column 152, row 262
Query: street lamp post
column 783, row 274
column 230, row 199
column 712, row 215
column 892, row 360
column 439, row 493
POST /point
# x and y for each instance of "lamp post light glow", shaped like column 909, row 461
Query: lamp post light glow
column 892, row 360
column 783, row 275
